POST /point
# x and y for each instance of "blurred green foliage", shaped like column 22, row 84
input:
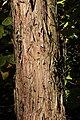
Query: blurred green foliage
column 7, row 63
column 6, row 46
column 69, row 29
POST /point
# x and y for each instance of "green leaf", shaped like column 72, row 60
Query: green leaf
column 10, row 59
column 2, row 61
column 65, row 25
column 61, row 2
column 1, row 31
column 7, row 21
column 5, row 32
column 5, row 75
column 65, row 82
column 67, row 92
column 68, row 77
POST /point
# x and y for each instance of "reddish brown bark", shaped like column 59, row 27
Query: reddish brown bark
column 37, row 93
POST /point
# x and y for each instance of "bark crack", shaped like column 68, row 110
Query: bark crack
column 32, row 2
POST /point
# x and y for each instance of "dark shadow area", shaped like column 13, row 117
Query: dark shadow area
column 7, row 98
column 73, row 81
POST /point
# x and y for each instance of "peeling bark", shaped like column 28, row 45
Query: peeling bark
column 38, row 93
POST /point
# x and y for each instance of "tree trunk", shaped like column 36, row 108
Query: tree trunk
column 39, row 89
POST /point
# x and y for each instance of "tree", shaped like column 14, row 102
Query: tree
column 39, row 86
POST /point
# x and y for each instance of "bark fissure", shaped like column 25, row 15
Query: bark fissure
column 33, row 2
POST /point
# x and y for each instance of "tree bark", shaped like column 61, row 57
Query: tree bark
column 39, row 89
